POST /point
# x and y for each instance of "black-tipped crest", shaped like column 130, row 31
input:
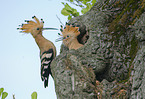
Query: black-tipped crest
column 42, row 20
column 77, row 25
column 26, row 20
column 21, row 31
column 33, row 17
column 18, row 28
column 34, row 26
column 20, row 25
column 61, row 26
column 69, row 36
column 73, row 24
column 61, row 30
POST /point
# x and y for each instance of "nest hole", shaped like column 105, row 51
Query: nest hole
column 83, row 37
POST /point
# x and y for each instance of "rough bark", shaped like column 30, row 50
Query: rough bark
column 112, row 62
column 138, row 72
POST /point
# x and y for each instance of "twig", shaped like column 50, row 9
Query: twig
column 59, row 20
column 13, row 96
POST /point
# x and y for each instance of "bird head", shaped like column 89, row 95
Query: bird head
column 34, row 27
column 69, row 33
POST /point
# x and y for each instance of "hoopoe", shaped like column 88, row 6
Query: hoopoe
column 69, row 36
column 47, row 48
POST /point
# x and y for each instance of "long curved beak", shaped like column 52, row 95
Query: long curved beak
column 50, row 29
column 59, row 39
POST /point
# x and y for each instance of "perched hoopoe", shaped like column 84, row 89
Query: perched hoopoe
column 69, row 36
column 47, row 48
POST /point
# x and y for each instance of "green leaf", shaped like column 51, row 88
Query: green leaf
column 34, row 95
column 69, row 17
column 84, row 2
column 87, row 0
column 75, row 13
column 67, row 7
column 1, row 90
column 85, row 5
column 93, row 2
column 65, row 12
column 4, row 95
column 84, row 10
column 63, row 3
column 89, row 6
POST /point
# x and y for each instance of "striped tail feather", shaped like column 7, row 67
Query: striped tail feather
column 46, row 59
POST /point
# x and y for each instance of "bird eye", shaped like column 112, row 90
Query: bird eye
column 37, row 28
column 66, row 37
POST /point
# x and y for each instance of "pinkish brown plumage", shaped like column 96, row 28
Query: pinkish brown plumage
column 47, row 48
column 69, row 36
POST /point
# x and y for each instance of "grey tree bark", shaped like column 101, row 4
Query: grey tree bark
column 111, row 65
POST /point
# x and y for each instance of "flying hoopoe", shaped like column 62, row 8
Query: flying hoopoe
column 69, row 36
column 47, row 48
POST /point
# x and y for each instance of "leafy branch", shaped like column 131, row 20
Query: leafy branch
column 3, row 94
column 85, row 6
column 34, row 95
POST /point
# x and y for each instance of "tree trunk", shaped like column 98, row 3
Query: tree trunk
column 111, row 65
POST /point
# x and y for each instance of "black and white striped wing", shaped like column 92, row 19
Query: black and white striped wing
column 46, row 59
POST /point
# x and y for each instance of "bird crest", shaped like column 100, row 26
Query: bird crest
column 69, row 36
column 31, row 26
column 69, row 32
column 34, row 27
